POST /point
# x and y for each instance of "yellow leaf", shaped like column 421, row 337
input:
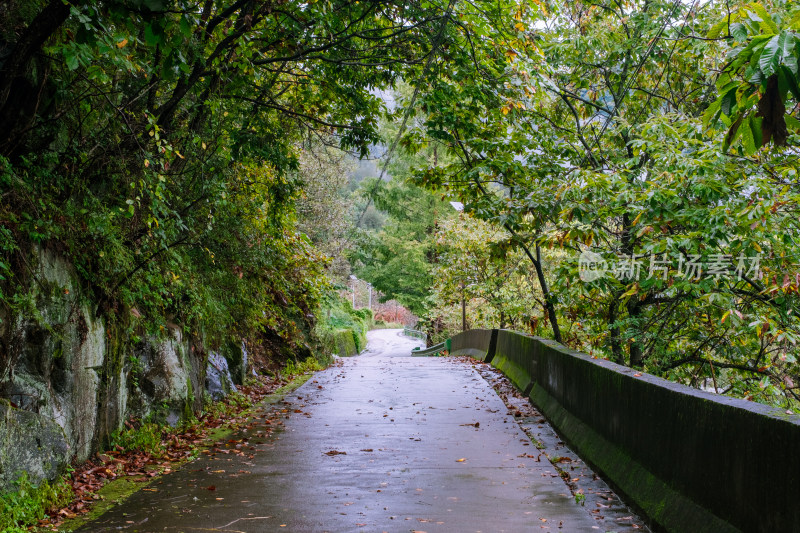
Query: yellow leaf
column 520, row 26
column 541, row 5
column 630, row 292
column 636, row 220
column 461, row 460
column 724, row 317
column 756, row 246
column 122, row 43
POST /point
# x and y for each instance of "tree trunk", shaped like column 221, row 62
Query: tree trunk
column 616, row 346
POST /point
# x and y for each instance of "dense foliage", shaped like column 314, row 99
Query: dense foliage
column 656, row 144
column 162, row 146
column 635, row 164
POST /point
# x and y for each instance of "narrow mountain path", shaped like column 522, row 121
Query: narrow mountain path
column 378, row 442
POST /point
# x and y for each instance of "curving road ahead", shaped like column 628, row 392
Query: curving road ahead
column 381, row 442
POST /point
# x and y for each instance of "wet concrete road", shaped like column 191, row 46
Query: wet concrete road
column 382, row 442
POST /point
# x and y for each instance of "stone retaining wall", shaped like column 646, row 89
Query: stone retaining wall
column 70, row 378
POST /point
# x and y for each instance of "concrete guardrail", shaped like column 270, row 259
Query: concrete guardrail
column 408, row 332
column 436, row 349
column 690, row 461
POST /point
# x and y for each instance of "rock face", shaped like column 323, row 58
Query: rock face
column 70, row 379
column 160, row 379
column 59, row 357
column 219, row 382
column 30, row 443
column 235, row 354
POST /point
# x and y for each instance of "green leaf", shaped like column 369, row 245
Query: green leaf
column 732, row 133
column 739, row 32
column 717, row 29
column 771, row 56
column 792, row 124
column 754, row 76
column 154, row 5
column 755, row 131
column 783, row 83
column 748, row 140
column 72, row 59
column 186, row 27
column 794, row 23
column 727, row 101
column 766, row 23
column 153, row 34
column 788, row 41
column 790, row 62
column 711, row 114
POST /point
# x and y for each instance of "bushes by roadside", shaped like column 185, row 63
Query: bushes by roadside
column 342, row 330
column 30, row 503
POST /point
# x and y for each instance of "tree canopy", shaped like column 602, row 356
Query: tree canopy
column 186, row 157
column 661, row 139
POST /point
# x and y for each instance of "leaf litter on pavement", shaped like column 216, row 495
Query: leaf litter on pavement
column 136, row 469
column 586, row 487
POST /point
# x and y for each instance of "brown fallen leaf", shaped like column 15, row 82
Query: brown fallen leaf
column 335, row 452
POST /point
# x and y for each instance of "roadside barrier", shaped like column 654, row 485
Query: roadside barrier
column 689, row 460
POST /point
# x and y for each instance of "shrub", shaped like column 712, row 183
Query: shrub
column 30, row 503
